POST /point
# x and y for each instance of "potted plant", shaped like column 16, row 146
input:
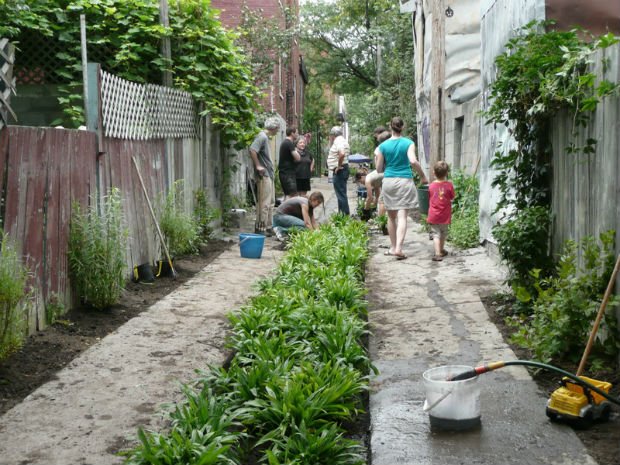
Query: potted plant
column 381, row 222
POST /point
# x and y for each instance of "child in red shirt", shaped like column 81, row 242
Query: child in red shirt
column 441, row 194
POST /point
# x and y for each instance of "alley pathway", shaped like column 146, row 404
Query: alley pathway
column 422, row 314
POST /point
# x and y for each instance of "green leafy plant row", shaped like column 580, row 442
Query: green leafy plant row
column 299, row 371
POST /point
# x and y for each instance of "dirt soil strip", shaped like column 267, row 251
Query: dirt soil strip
column 95, row 405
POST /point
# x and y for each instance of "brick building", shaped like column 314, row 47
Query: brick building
column 285, row 92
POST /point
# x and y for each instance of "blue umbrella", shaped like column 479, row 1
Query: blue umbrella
column 359, row 158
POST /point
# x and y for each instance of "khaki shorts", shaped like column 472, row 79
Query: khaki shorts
column 439, row 231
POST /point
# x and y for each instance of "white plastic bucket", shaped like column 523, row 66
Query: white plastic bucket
column 451, row 405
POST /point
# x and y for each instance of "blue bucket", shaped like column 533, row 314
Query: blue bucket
column 251, row 245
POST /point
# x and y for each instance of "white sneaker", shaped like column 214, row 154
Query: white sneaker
column 279, row 234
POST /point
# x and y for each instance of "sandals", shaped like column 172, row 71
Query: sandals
column 437, row 258
column 401, row 256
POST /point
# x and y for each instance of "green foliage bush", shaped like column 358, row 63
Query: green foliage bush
column 299, row 369
column 180, row 229
column 464, row 230
column 127, row 34
column 204, row 215
column 13, row 276
column 97, row 242
column 523, row 243
column 539, row 74
column 565, row 305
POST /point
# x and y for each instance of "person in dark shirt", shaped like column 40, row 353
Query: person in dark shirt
column 297, row 212
column 304, row 168
column 287, row 163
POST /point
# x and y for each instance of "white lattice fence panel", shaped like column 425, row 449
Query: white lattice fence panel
column 7, row 81
column 145, row 111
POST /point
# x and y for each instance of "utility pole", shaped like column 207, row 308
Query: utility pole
column 437, row 81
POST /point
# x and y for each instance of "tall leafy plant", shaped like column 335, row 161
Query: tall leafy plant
column 539, row 74
column 464, row 229
column 180, row 229
column 565, row 305
column 13, row 276
column 97, row 242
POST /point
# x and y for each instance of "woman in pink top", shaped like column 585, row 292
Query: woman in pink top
column 441, row 194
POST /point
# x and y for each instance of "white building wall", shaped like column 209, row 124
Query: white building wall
column 499, row 21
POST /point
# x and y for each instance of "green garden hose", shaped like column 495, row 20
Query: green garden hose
column 495, row 365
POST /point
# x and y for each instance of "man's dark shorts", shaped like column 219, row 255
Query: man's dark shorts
column 289, row 183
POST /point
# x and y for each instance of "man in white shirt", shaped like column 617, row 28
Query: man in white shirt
column 338, row 164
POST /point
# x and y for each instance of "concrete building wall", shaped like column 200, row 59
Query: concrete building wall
column 462, row 136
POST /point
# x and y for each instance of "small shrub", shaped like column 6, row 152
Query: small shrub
column 53, row 309
column 465, row 230
column 381, row 222
column 180, row 230
column 523, row 243
column 565, row 306
column 204, row 215
column 13, row 276
column 97, row 251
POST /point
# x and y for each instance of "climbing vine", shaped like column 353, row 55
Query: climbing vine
column 539, row 75
column 127, row 35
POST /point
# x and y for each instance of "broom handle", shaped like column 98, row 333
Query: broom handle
column 148, row 202
column 599, row 317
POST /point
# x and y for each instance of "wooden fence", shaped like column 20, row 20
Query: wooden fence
column 44, row 170
column 586, row 188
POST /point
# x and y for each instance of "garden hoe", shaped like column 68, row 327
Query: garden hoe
column 148, row 202
column 580, row 400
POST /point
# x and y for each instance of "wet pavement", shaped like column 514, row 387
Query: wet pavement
column 425, row 314
column 422, row 314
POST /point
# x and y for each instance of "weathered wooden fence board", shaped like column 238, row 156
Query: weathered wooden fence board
column 586, row 197
column 47, row 169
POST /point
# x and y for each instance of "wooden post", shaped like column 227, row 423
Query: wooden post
column 166, row 49
column 84, row 67
column 437, row 79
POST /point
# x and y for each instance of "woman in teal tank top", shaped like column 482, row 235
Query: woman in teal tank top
column 395, row 158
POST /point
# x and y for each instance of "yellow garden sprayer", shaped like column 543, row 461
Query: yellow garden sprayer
column 579, row 400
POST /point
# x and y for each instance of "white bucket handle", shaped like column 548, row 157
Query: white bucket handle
column 247, row 238
column 426, row 408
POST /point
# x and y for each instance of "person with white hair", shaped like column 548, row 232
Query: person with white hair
column 338, row 164
column 264, row 176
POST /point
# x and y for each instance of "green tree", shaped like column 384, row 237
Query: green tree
column 363, row 50
column 125, row 35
